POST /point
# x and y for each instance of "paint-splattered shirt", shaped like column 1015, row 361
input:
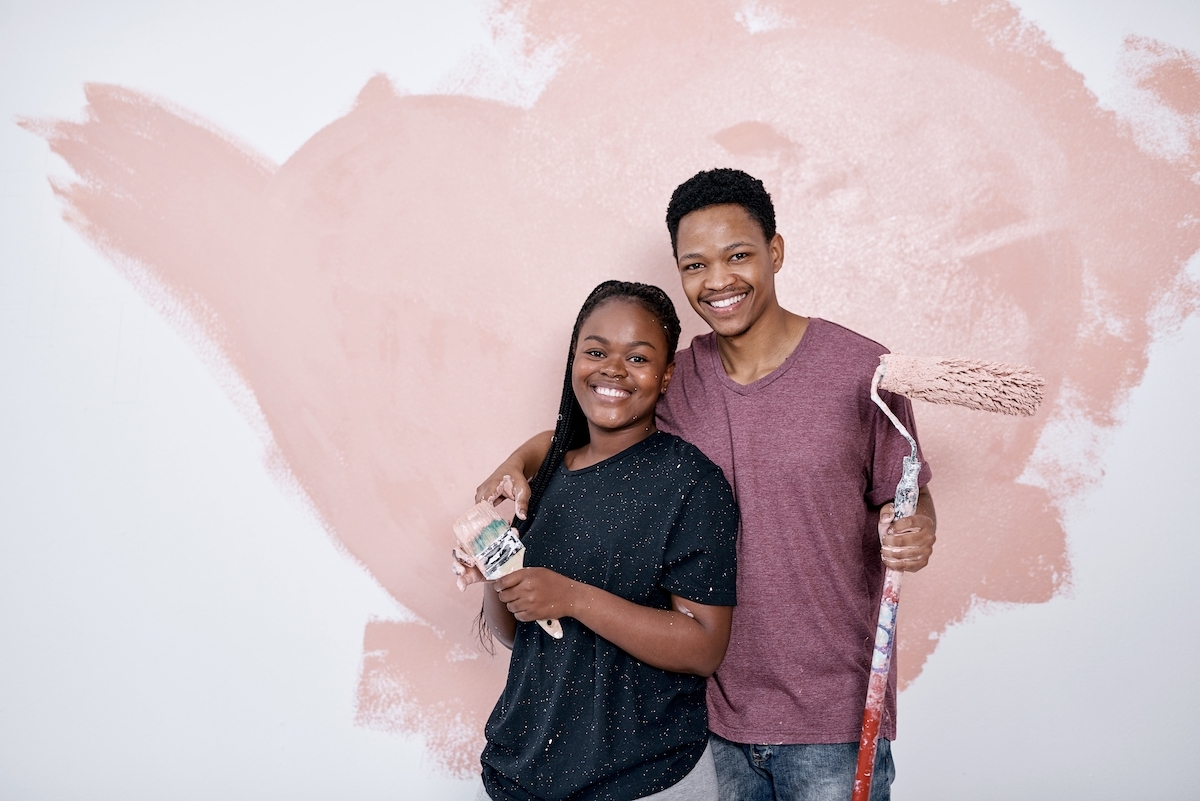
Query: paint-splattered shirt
column 810, row 458
column 580, row 718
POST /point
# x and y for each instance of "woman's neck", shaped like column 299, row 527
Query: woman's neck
column 605, row 444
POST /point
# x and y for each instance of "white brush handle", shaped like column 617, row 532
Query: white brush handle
column 551, row 627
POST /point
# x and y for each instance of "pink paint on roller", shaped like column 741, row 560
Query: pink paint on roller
column 980, row 385
column 940, row 156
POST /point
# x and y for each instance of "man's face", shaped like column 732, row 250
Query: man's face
column 727, row 267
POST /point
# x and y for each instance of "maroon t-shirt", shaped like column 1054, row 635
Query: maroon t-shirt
column 810, row 459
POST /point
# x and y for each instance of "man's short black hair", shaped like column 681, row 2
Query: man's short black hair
column 718, row 187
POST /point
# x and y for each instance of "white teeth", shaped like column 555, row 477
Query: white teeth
column 722, row 304
column 611, row 392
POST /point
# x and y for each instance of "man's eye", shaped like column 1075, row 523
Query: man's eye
column 738, row 256
column 693, row 266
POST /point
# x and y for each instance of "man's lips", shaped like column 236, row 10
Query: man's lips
column 721, row 304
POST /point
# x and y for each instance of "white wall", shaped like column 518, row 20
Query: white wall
column 155, row 644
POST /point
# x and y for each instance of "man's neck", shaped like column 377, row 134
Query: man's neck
column 762, row 348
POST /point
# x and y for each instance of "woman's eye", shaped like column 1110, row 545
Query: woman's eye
column 638, row 359
column 595, row 354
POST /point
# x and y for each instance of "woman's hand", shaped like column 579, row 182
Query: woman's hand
column 536, row 593
column 464, row 567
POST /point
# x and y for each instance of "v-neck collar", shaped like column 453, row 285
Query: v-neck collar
column 766, row 380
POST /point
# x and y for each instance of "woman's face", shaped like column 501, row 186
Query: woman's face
column 621, row 366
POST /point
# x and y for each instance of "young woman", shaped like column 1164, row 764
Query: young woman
column 629, row 538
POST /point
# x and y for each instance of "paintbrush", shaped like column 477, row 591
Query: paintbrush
column 987, row 386
column 496, row 548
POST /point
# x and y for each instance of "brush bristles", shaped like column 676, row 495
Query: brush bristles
column 987, row 386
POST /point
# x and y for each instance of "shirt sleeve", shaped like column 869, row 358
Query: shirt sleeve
column 700, row 563
column 889, row 448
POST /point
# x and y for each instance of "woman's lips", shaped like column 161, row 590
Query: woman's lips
column 611, row 392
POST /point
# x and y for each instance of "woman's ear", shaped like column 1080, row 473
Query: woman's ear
column 666, row 378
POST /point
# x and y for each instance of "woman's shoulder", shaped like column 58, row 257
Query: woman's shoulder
column 687, row 457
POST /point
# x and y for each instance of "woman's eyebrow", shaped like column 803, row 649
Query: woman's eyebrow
column 603, row 341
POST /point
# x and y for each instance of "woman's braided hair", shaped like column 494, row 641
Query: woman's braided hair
column 571, row 430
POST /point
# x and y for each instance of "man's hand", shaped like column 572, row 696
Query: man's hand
column 907, row 543
column 502, row 484
column 536, row 593
column 509, row 479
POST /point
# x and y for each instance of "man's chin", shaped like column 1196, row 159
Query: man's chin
column 728, row 328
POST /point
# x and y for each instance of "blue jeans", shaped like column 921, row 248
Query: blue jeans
column 796, row 772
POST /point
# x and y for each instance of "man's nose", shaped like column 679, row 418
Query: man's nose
column 718, row 277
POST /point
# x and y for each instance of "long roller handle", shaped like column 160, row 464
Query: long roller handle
column 885, row 631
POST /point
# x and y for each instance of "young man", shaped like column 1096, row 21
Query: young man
column 781, row 402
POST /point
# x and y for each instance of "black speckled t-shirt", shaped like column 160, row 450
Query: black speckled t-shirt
column 581, row 719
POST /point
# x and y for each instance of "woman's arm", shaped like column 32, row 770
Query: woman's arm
column 518, row 468
column 688, row 638
column 501, row 622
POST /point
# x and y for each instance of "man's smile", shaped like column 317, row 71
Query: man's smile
column 726, row 303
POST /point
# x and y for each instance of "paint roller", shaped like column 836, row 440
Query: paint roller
column 986, row 386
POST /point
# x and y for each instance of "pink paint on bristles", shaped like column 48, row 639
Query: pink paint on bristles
column 987, row 386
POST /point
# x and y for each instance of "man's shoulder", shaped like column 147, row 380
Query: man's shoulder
column 834, row 335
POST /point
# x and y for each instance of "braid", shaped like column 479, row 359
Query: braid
column 571, row 430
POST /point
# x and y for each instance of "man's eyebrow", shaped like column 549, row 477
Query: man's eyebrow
column 726, row 249
column 603, row 341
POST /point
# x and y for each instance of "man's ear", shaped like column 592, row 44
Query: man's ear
column 666, row 378
column 776, row 249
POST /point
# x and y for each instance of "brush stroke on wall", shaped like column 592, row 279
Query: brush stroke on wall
column 395, row 299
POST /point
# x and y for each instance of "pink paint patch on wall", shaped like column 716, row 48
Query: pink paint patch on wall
column 397, row 296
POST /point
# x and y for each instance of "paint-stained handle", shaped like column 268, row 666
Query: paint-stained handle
column 881, row 659
column 905, row 505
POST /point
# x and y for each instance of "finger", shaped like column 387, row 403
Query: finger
column 521, row 499
column 922, row 536
column 509, row 580
column 905, row 525
column 502, row 490
column 463, row 558
column 907, row 565
column 485, row 491
column 904, row 554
